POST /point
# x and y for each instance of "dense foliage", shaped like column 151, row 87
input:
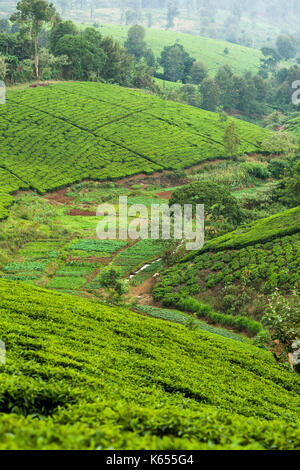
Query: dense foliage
column 114, row 132
column 236, row 269
column 74, row 366
column 217, row 199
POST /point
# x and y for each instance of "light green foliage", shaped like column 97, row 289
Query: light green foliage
column 282, row 316
column 74, row 365
column 96, row 247
column 90, row 130
column 207, row 50
column 280, row 142
column 135, row 256
column 231, row 139
column 3, row 67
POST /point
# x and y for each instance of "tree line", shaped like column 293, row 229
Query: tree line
column 37, row 44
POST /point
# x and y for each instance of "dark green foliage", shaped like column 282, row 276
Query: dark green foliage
column 291, row 190
column 135, row 43
column 198, row 72
column 217, row 199
column 176, row 62
column 258, row 170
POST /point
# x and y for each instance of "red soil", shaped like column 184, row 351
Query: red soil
column 82, row 212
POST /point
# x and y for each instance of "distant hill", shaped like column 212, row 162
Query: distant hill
column 81, row 375
column 59, row 134
column 209, row 51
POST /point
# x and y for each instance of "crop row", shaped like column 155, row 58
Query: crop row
column 143, row 251
column 46, row 137
column 184, row 319
column 71, row 360
column 97, row 247
column 82, row 111
column 265, row 267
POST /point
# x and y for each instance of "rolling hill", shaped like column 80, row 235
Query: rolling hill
column 59, row 134
column 80, row 375
column 209, row 51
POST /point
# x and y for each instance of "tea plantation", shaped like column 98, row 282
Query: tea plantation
column 56, row 135
column 81, row 375
column 257, row 258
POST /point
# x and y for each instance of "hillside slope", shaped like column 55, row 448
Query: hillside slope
column 83, row 375
column 210, row 51
column 233, row 270
column 56, row 135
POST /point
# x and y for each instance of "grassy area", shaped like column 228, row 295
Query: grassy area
column 74, row 365
column 68, row 256
column 209, row 51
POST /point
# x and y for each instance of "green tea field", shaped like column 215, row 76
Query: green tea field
column 53, row 136
column 235, row 271
column 80, row 375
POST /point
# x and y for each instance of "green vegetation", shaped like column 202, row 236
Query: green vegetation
column 134, row 256
column 115, row 133
column 175, row 316
column 236, row 271
column 268, row 229
column 217, row 200
column 63, row 373
column 207, row 50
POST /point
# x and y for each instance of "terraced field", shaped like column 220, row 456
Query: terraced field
column 53, row 136
column 72, row 261
column 61, row 387
column 293, row 124
column 238, row 267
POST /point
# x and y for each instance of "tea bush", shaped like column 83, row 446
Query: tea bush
column 81, row 375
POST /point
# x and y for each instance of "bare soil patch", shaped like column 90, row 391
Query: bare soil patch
column 165, row 195
column 82, row 213
column 59, row 197
column 164, row 178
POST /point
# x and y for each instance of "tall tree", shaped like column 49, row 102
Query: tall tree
column 210, row 94
column 33, row 15
column 177, row 63
column 172, row 12
column 135, row 43
column 285, row 47
column 231, row 139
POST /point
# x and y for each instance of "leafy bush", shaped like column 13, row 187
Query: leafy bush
column 257, row 169
column 217, row 199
